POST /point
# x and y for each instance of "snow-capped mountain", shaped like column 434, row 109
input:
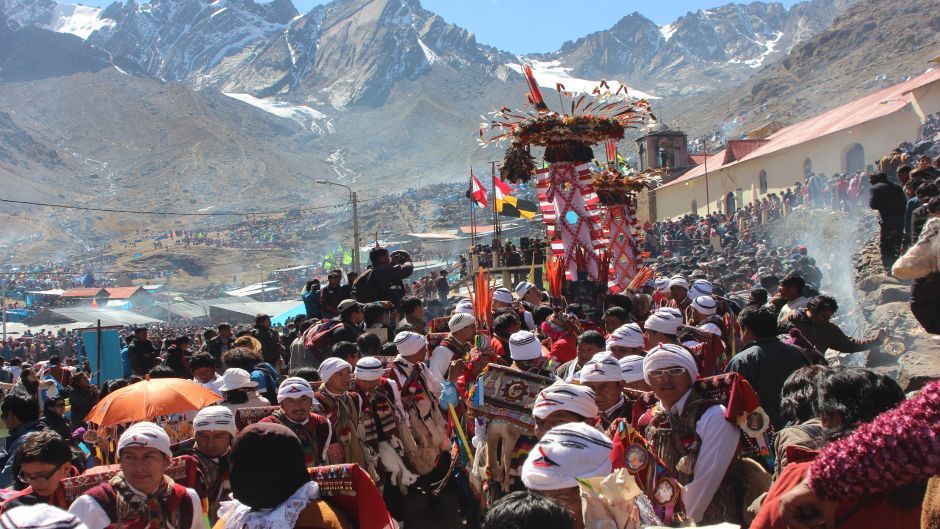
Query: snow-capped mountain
column 78, row 20
column 700, row 51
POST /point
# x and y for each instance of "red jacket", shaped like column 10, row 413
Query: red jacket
column 871, row 512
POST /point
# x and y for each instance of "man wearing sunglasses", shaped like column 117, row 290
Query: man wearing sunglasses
column 44, row 459
column 690, row 435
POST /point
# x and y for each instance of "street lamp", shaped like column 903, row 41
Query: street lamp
column 355, row 208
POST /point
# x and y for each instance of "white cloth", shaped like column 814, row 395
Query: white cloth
column 87, row 509
column 409, row 343
column 704, row 305
column 294, row 388
column 661, row 284
column 460, row 321
column 254, row 401
column 215, row 418
column 523, row 288
column 567, row 397
column 720, row 441
column 331, row 366
column 464, row 306
column 631, row 367
column 711, row 327
column 664, row 321
column 404, row 367
column 237, row 515
column 40, row 516
column 439, row 363
column 369, row 368
column 566, row 452
column 503, row 295
column 524, row 345
column 678, row 281
column 792, row 306
column 214, row 385
column 668, row 355
column 629, row 335
column 603, row 367
column 145, row 434
column 701, row 287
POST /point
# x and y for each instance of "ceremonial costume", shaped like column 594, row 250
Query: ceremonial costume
column 344, row 413
column 450, row 348
column 315, row 433
column 213, row 478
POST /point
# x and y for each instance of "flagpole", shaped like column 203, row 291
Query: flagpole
column 495, row 213
column 473, row 226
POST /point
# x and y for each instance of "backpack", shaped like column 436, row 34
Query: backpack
column 319, row 338
column 271, row 381
column 365, row 290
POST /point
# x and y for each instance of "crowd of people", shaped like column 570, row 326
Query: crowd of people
column 707, row 394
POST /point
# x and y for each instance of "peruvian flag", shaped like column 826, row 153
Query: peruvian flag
column 476, row 191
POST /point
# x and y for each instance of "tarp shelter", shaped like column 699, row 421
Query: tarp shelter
column 91, row 316
column 112, row 366
column 254, row 290
column 281, row 319
column 238, row 312
column 178, row 310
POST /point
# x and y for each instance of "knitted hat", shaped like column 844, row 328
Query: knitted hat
column 408, row 343
column 631, row 366
column 603, row 367
column 503, row 295
column 564, row 396
column 701, row 287
column 267, row 465
column 664, row 321
column 523, row 288
column 705, row 305
column 565, row 453
column 464, row 306
column 331, row 366
column 523, row 345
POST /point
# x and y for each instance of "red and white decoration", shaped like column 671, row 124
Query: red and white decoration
column 625, row 260
column 571, row 212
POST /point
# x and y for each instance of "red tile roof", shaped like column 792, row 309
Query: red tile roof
column 82, row 293
column 121, row 292
column 868, row 108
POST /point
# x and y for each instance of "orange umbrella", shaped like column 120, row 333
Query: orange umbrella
column 150, row 398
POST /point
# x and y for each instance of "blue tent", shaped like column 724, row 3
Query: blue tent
column 281, row 319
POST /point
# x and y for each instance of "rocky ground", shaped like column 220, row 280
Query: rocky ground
column 909, row 350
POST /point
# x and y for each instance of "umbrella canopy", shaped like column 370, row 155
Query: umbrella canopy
column 150, row 398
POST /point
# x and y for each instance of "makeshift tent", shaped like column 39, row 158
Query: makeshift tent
column 112, row 366
column 281, row 319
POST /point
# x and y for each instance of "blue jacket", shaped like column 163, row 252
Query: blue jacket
column 14, row 441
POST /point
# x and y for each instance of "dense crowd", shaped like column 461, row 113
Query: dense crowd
column 709, row 393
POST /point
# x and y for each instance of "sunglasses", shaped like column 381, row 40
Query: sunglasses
column 26, row 478
column 671, row 372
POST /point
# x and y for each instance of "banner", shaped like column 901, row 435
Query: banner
column 112, row 367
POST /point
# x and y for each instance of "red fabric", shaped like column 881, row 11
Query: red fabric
column 366, row 508
column 741, row 399
column 497, row 345
column 876, row 512
column 563, row 350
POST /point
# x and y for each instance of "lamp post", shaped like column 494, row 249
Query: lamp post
column 355, row 211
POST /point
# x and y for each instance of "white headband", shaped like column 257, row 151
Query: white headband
column 464, row 306
column 701, row 287
column 631, row 366
column 369, row 368
column 704, row 305
column 668, row 355
column 524, row 345
column 215, row 419
column 564, row 454
column 678, row 281
column 603, row 367
column 664, row 321
column 568, row 397
column 502, row 295
column 145, row 434
column 331, row 366
column 629, row 335
column 294, row 388
column 460, row 321
column 523, row 288
column 409, row 343
column 661, row 284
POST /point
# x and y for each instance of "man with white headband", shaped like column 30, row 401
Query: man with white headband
column 141, row 495
column 663, row 326
column 700, row 287
column 626, row 340
column 605, row 378
column 563, row 403
column 679, row 293
column 342, row 408
column 660, row 293
column 464, row 306
column 527, row 354
column 589, row 344
column 454, row 346
column 502, row 297
column 295, row 397
column 708, row 441
column 631, row 367
column 419, row 393
column 215, row 431
column 704, row 309
column 564, row 455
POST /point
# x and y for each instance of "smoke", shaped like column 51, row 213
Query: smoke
column 832, row 238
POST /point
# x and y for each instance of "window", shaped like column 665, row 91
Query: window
column 730, row 203
column 807, row 168
column 854, row 159
column 694, row 207
column 666, row 154
column 762, row 182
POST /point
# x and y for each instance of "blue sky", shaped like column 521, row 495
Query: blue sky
column 530, row 26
